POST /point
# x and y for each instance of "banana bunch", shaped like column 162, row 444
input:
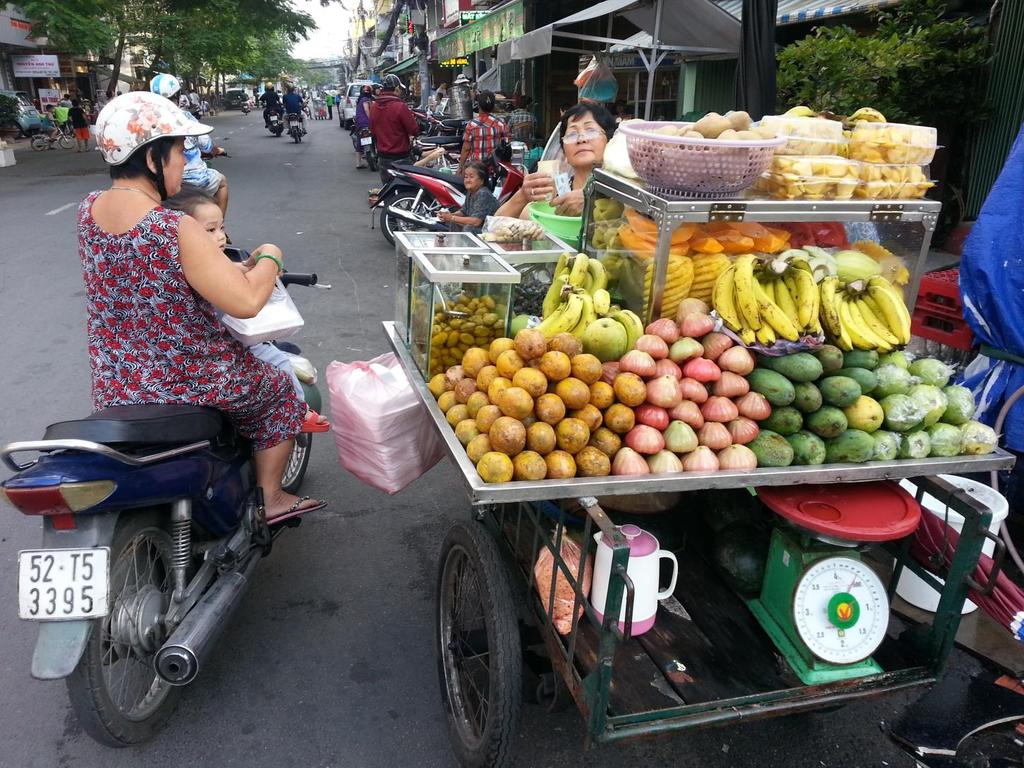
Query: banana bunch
column 578, row 295
column 866, row 314
column 678, row 281
column 765, row 303
column 706, row 269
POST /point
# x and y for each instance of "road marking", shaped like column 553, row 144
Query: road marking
column 55, row 211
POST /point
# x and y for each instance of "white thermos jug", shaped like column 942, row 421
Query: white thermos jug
column 644, row 560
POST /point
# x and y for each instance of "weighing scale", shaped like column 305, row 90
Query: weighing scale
column 825, row 609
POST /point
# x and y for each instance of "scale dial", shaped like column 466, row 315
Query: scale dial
column 840, row 610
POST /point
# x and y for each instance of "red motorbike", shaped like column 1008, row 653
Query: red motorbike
column 415, row 196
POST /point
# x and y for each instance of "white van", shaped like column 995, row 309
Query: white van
column 349, row 95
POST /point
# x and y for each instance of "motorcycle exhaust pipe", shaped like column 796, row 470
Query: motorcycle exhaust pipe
column 415, row 218
column 179, row 660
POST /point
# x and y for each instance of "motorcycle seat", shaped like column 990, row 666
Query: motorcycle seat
column 455, row 122
column 440, row 141
column 143, row 425
column 451, row 178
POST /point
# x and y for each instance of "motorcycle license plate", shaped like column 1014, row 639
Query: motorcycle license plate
column 273, row 119
column 62, row 584
column 366, row 141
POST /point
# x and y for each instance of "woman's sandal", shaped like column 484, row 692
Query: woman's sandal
column 294, row 510
column 312, row 423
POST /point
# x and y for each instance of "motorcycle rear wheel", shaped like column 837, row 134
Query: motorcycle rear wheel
column 371, row 160
column 114, row 690
column 390, row 224
column 39, row 142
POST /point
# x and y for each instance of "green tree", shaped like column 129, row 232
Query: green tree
column 917, row 66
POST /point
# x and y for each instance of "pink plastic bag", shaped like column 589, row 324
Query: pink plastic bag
column 383, row 433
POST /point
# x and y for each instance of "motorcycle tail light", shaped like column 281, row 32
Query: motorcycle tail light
column 62, row 499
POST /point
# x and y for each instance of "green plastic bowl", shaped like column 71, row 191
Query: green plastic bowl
column 565, row 228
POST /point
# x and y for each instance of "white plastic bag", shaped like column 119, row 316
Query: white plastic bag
column 278, row 319
column 383, row 433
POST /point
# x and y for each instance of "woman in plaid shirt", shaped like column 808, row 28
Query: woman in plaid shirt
column 483, row 134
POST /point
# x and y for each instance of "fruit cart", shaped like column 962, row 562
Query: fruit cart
column 709, row 658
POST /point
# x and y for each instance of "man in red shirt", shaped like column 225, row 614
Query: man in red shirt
column 483, row 134
column 392, row 125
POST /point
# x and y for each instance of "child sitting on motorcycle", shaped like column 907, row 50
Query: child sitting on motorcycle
column 204, row 209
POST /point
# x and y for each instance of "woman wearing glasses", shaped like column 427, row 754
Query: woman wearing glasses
column 584, row 132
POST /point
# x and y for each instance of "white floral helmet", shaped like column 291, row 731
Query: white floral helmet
column 137, row 118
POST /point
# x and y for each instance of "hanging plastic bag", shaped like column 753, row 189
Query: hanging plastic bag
column 383, row 433
column 599, row 84
column 277, row 320
column 565, row 595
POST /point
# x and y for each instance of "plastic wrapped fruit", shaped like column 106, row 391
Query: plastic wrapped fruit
column 823, row 177
column 892, row 182
column 805, row 135
column 893, row 143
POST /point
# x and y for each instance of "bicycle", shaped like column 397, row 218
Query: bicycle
column 64, row 139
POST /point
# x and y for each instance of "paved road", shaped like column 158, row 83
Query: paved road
column 330, row 661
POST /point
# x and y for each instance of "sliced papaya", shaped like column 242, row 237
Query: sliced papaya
column 684, row 233
column 640, row 223
column 641, row 246
column 749, row 228
column 734, row 242
column 706, row 244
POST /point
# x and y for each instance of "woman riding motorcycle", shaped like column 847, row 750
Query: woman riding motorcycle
column 154, row 280
column 362, row 122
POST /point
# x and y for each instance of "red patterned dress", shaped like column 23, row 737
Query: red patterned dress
column 152, row 339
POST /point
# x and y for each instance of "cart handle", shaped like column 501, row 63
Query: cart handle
column 998, row 556
column 630, row 594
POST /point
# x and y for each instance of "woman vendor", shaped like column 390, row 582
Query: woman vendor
column 583, row 132
column 154, row 280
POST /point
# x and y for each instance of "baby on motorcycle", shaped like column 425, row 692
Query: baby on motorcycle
column 204, row 209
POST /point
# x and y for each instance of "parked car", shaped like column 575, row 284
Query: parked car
column 349, row 98
column 234, row 98
column 27, row 121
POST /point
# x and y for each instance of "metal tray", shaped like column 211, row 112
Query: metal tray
column 540, row 490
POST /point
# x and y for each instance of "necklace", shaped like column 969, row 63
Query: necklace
column 141, row 192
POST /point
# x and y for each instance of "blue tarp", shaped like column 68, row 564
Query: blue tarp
column 992, row 290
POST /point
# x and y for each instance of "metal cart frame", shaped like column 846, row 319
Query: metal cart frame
column 521, row 521
column 669, row 214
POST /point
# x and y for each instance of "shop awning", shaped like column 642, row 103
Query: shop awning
column 797, row 11
column 695, row 27
column 500, row 25
column 404, row 65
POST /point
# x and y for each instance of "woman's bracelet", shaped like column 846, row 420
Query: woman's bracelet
column 258, row 259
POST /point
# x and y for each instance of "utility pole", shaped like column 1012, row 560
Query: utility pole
column 418, row 17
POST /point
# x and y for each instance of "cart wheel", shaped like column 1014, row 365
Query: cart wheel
column 479, row 655
column 552, row 694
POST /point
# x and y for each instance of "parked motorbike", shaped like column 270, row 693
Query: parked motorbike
column 295, row 129
column 415, row 196
column 152, row 529
column 434, row 125
column 274, row 123
column 365, row 141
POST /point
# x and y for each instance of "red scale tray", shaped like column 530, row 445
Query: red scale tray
column 875, row 511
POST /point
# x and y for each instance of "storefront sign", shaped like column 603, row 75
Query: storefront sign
column 466, row 17
column 632, row 61
column 496, row 27
column 15, row 29
column 459, row 61
column 35, row 65
column 451, row 11
column 48, row 96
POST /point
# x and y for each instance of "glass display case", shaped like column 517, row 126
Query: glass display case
column 405, row 244
column 456, row 301
column 658, row 250
column 535, row 260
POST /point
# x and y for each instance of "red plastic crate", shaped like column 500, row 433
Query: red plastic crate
column 938, row 313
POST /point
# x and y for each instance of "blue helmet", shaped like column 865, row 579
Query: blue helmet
column 165, row 85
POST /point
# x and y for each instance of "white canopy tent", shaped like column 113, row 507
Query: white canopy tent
column 693, row 28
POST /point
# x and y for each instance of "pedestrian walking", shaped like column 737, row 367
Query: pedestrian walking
column 393, row 125
column 80, row 124
column 330, row 106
